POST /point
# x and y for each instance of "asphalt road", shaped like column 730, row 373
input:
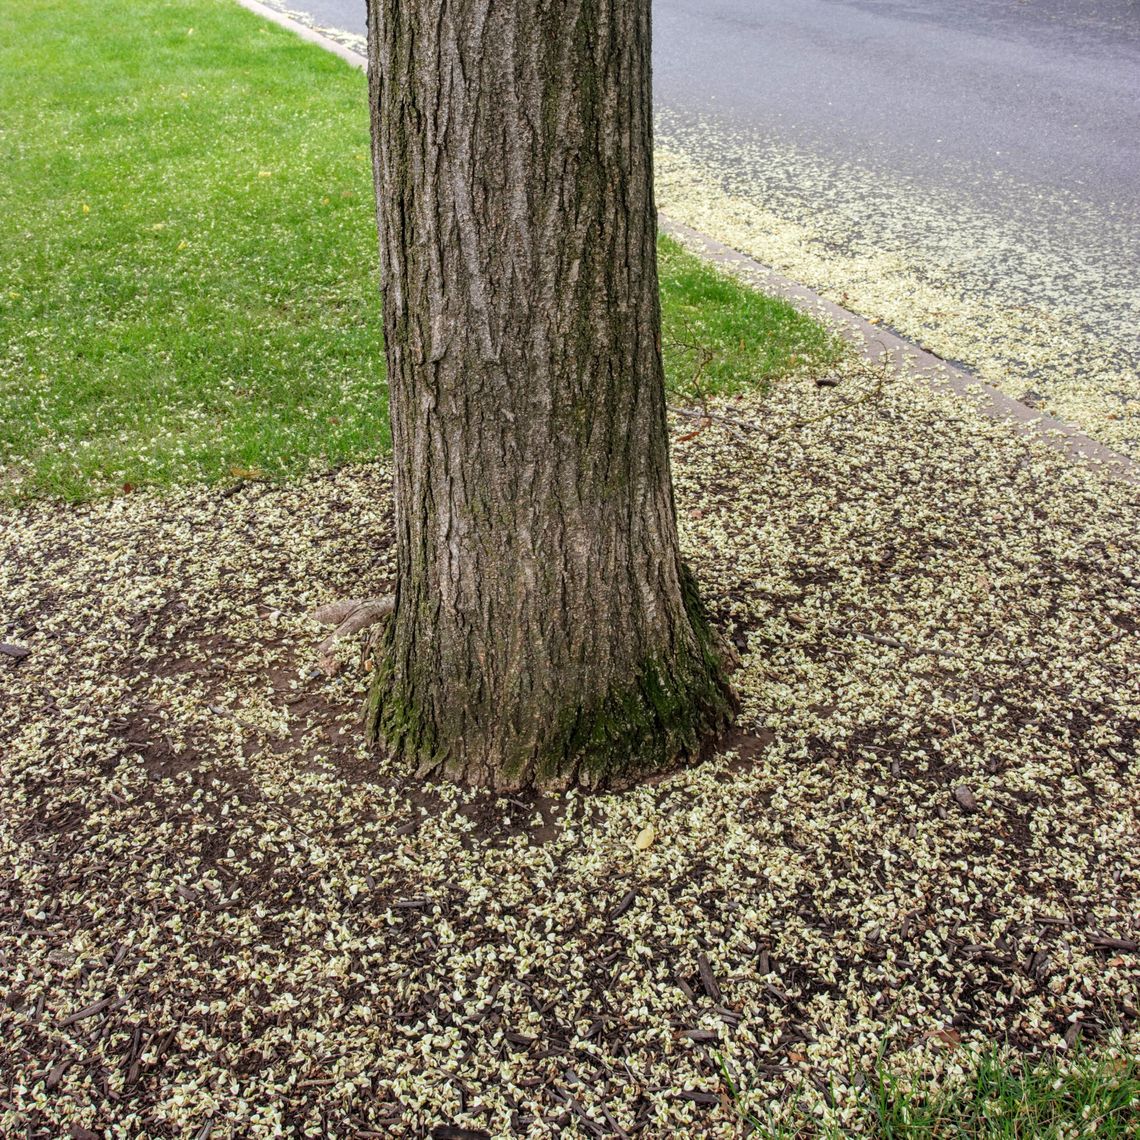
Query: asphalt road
column 1046, row 89
column 991, row 148
column 348, row 15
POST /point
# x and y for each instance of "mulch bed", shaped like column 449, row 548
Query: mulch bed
column 221, row 914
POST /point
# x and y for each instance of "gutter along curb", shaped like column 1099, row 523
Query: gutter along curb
column 879, row 345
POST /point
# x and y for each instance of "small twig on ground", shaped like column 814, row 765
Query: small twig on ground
column 891, row 642
column 736, row 426
column 1108, row 643
column 728, row 421
column 705, row 356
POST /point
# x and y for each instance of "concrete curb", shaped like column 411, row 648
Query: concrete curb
column 911, row 360
column 306, row 33
column 876, row 344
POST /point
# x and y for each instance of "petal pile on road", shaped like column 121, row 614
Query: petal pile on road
column 1032, row 289
column 222, row 915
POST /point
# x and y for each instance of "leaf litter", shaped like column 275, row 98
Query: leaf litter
column 1031, row 287
column 220, row 911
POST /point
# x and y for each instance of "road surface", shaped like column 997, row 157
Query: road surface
column 1044, row 89
column 968, row 173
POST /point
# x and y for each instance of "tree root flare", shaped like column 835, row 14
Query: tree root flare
column 349, row 616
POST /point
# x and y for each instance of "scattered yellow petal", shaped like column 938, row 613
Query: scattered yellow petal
column 645, row 838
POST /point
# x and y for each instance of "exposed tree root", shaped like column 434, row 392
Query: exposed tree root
column 349, row 616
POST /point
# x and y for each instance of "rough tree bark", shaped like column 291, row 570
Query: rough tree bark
column 545, row 630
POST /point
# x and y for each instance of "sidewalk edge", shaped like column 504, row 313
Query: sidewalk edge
column 877, row 345
column 311, row 35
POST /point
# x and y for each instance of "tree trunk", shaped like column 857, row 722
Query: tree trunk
column 545, row 630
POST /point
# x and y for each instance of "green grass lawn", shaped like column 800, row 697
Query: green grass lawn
column 189, row 264
column 720, row 337
column 189, row 280
column 1087, row 1096
column 1056, row 1099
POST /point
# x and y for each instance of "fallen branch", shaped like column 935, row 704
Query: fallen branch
column 712, row 417
column 1104, row 942
column 892, row 643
